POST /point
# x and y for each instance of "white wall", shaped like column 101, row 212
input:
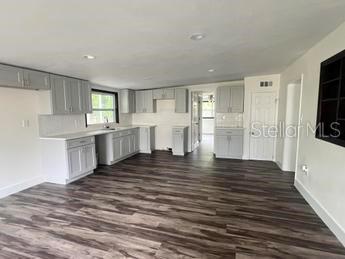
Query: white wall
column 252, row 85
column 324, row 186
column 20, row 164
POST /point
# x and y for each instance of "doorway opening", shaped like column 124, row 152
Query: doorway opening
column 203, row 123
column 208, row 122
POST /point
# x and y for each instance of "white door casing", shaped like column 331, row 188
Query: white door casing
column 263, row 123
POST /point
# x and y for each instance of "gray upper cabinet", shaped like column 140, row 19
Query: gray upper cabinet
column 86, row 102
column 144, row 101
column 230, row 99
column 127, row 101
column 36, row 80
column 181, row 100
column 223, row 99
column 60, row 95
column 11, row 76
column 236, row 99
column 164, row 93
column 75, row 95
column 70, row 96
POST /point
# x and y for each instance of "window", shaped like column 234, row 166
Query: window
column 104, row 108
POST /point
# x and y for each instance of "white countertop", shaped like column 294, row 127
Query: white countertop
column 180, row 126
column 224, row 127
column 83, row 134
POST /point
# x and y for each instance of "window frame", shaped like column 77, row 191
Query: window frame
column 116, row 106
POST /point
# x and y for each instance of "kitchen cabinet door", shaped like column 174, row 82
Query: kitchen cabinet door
column 139, row 101
column 89, row 155
column 236, row 147
column 127, row 101
column 60, row 95
column 117, row 148
column 181, row 100
column 236, row 99
column 178, row 144
column 75, row 162
column 11, row 76
column 223, row 99
column 86, row 103
column 148, row 101
column 75, row 95
column 36, row 80
column 125, row 146
column 222, row 146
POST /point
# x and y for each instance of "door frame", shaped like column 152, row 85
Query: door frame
column 200, row 118
column 251, row 120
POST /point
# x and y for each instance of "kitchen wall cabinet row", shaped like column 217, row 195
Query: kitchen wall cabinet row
column 145, row 101
column 64, row 95
column 229, row 99
column 23, row 78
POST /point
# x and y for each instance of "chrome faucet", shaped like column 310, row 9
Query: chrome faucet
column 106, row 121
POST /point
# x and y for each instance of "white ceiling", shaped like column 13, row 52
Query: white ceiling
column 146, row 43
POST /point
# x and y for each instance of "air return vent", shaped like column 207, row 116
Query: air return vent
column 266, row 84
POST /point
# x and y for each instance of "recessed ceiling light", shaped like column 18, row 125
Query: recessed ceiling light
column 197, row 36
column 89, row 57
column 211, row 70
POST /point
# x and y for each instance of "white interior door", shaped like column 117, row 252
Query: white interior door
column 196, row 119
column 263, row 122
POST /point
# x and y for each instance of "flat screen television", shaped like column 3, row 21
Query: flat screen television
column 330, row 125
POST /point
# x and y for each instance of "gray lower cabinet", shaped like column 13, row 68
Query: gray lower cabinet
column 127, row 101
column 147, row 139
column 181, row 100
column 145, row 102
column 229, row 99
column 179, row 141
column 164, row 93
column 67, row 161
column 228, row 143
column 114, row 147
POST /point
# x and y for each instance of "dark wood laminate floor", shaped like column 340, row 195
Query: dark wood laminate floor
column 160, row 206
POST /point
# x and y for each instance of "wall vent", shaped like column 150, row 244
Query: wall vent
column 266, row 84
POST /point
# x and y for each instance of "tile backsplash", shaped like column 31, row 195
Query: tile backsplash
column 229, row 120
column 61, row 124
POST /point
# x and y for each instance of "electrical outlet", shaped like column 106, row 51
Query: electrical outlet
column 25, row 123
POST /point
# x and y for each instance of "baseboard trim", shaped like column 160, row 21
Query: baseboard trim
column 326, row 217
column 17, row 187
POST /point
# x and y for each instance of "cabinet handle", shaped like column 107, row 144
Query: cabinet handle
column 46, row 81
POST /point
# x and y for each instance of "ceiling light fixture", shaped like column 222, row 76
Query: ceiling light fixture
column 197, row 36
column 89, row 57
column 211, row 70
